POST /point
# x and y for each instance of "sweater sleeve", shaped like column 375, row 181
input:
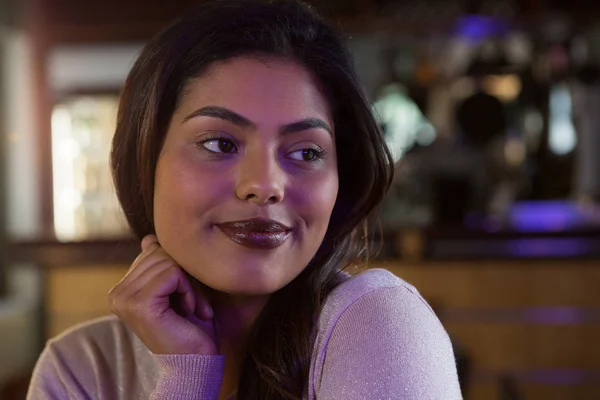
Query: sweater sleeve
column 102, row 360
column 388, row 344
column 188, row 377
column 185, row 377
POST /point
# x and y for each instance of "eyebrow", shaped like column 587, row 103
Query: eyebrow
column 243, row 122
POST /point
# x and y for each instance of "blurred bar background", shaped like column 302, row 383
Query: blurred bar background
column 490, row 107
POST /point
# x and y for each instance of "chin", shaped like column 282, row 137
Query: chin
column 251, row 287
column 244, row 275
column 251, row 283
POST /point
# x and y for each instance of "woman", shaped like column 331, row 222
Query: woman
column 247, row 160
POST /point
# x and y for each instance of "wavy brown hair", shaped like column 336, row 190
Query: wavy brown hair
column 280, row 344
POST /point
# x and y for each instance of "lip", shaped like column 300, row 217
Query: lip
column 256, row 233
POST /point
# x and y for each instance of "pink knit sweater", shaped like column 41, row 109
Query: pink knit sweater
column 377, row 339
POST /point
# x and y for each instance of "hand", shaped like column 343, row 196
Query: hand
column 157, row 301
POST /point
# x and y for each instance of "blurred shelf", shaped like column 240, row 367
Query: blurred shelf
column 438, row 246
column 461, row 244
column 50, row 254
column 512, row 244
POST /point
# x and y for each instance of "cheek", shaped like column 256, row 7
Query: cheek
column 328, row 194
column 182, row 188
column 316, row 199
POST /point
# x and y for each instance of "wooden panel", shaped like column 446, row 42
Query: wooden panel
column 566, row 285
column 510, row 347
column 79, row 255
column 492, row 346
column 76, row 295
column 565, row 346
column 81, row 289
column 491, row 391
column 483, row 391
column 503, row 284
column 59, row 323
column 579, row 392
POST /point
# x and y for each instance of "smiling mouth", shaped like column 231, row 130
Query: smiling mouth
column 256, row 233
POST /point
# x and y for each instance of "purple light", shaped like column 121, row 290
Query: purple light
column 548, row 247
column 546, row 216
column 477, row 27
column 555, row 315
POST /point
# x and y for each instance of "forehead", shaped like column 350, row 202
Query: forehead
column 258, row 88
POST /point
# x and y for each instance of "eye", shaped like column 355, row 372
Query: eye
column 311, row 154
column 218, row 145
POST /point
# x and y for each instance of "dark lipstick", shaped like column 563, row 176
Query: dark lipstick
column 256, row 233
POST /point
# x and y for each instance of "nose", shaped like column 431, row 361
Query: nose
column 260, row 179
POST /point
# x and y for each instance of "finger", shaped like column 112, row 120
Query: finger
column 145, row 260
column 136, row 281
column 203, row 309
column 155, row 295
column 148, row 241
column 137, row 275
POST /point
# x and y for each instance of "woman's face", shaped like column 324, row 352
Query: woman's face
column 247, row 177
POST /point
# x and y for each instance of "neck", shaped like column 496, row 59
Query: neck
column 234, row 317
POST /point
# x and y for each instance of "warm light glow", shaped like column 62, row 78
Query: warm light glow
column 63, row 153
column 505, row 87
column 85, row 204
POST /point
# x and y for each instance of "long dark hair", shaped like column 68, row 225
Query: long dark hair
column 280, row 344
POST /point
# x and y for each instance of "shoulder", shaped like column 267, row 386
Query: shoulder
column 94, row 328
column 371, row 287
column 377, row 331
column 379, row 306
column 104, row 337
column 99, row 358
